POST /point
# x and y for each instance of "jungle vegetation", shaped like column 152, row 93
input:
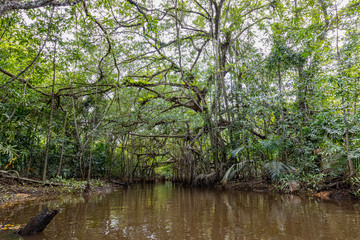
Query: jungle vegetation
column 190, row 90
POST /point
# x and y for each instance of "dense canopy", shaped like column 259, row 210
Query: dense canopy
column 192, row 90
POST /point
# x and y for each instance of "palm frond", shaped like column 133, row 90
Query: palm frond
column 275, row 169
column 271, row 145
column 233, row 170
column 236, row 151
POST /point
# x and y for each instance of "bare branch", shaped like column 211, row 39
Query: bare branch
column 163, row 136
column 23, row 81
column 6, row 6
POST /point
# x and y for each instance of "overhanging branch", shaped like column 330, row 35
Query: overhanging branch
column 6, row 6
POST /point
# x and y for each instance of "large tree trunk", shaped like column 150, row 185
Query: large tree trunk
column 50, row 119
column 62, row 147
column 79, row 140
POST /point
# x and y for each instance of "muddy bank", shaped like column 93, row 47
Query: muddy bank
column 340, row 190
column 13, row 192
column 256, row 186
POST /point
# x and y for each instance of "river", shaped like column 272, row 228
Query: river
column 164, row 211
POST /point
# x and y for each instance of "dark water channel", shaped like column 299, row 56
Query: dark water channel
column 163, row 211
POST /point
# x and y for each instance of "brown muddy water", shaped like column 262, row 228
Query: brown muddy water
column 164, row 211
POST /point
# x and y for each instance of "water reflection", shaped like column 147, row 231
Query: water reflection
column 167, row 212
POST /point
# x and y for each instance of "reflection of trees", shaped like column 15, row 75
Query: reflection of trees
column 166, row 212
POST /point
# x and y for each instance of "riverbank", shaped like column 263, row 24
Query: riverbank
column 13, row 192
column 336, row 190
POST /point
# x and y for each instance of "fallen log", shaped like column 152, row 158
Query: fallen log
column 7, row 174
column 38, row 223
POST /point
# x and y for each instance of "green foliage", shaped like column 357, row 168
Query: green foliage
column 8, row 150
column 312, row 181
column 75, row 186
column 165, row 171
column 355, row 185
column 296, row 181
column 234, row 170
column 277, row 169
column 261, row 81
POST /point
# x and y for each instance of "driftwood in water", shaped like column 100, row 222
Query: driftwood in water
column 38, row 223
column 120, row 183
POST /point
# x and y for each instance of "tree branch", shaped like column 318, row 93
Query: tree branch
column 6, row 6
